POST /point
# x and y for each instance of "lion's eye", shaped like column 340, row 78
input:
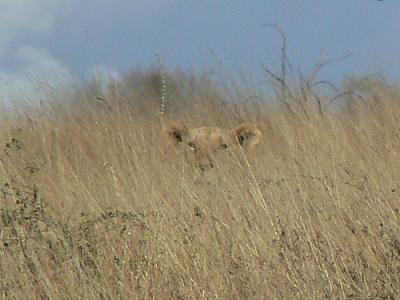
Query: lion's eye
column 224, row 146
column 192, row 146
column 178, row 137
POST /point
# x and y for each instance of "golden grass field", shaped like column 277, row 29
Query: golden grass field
column 97, row 203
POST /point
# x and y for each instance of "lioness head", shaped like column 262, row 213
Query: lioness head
column 205, row 141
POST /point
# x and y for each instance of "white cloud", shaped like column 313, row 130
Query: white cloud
column 25, row 16
column 104, row 75
column 37, row 67
column 32, row 72
column 41, row 76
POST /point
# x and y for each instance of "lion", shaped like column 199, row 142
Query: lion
column 206, row 141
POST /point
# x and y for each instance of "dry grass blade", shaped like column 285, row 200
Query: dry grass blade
column 97, row 203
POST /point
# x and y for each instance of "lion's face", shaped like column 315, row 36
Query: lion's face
column 206, row 141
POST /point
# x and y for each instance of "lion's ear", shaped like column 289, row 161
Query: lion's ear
column 247, row 134
column 176, row 130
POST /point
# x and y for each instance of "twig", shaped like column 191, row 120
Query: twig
column 282, row 78
column 321, row 64
column 163, row 82
column 326, row 82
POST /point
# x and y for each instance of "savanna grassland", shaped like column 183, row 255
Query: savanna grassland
column 97, row 203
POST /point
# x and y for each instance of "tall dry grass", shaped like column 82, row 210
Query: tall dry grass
column 98, row 204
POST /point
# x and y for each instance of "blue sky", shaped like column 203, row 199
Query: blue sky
column 50, row 39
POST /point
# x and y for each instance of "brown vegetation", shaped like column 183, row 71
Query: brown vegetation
column 96, row 204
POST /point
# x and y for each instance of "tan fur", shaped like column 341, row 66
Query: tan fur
column 206, row 141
